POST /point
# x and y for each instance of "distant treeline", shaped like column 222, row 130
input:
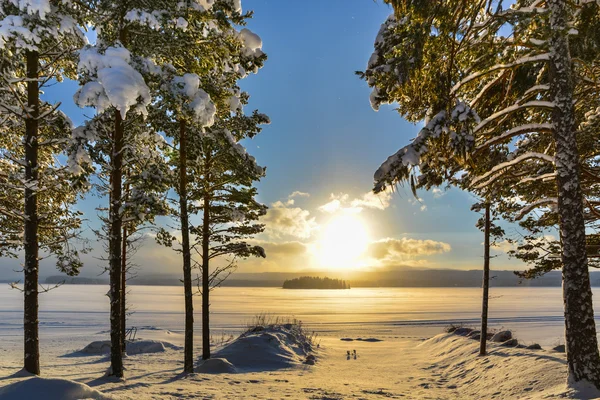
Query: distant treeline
column 312, row 282
column 399, row 278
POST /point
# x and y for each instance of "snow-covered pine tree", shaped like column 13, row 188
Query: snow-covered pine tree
column 538, row 247
column 514, row 85
column 145, row 182
column 226, row 198
column 37, row 44
column 113, row 77
column 198, row 82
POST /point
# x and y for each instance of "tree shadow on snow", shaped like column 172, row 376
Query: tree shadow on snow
column 527, row 353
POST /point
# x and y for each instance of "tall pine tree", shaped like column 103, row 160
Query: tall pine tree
column 37, row 47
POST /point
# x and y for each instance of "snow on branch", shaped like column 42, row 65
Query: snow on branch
column 456, row 125
column 534, row 8
column 251, row 43
column 511, row 109
column 32, row 7
column 536, row 204
column 240, row 150
column 508, row 164
column 114, row 81
column 543, row 177
column 199, row 102
column 520, row 61
column 519, row 130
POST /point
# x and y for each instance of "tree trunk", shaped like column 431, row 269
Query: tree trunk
column 114, row 245
column 486, row 282
column 188, row 359
column 205, row 274
column 580, row 329
column 31, row 267
column 123, row 290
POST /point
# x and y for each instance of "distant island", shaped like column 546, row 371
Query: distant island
column 312, row 282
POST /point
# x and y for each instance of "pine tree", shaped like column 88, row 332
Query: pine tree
column 491, row 233
column 523, row 87
column 229, row 209
column 197, row 84
column 36, row 48
column 113, row 77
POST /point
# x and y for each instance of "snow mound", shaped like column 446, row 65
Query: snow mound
column 133, row 347
column 97, row 347
column 504, row 373
column 267, row 349
column 216, row 366
column 149, row 346
column 50, row 389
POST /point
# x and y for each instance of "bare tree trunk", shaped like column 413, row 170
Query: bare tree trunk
column 31, row 268
column 188, row 359
column 486, row 283
column 580, row 329
column 123, row 290
column 205, row 274
column 114, row 245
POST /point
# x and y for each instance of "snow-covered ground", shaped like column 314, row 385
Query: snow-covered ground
column 398, row 361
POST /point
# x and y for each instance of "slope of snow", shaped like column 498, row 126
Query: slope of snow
column 216, row 366
column 504, row 373
column 266, row 349
column 50, row 389
column 398, row 366
column 133, row 347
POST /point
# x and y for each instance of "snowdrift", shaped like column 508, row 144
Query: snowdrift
column 101, row 347
column 266, row 349
column 505, row 373
column 216, row 366
column 50, row 389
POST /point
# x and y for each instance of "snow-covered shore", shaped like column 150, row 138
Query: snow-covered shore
column 446, row 366
column 396, row 358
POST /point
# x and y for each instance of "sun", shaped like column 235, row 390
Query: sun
column 343, row 241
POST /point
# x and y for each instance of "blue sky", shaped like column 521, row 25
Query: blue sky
column 325, row 141
column 325, row 138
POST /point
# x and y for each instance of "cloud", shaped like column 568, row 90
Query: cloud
column 284, row 220
column 290, row 199
column 290, row 256
column 504, row 246
column 379, row 201
column 370, row 200
column 335, row 204
column 288, row 249
column 437, row 193
column 418, row 202
column 391, row 248
column 298, row 193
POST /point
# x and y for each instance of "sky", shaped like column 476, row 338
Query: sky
column 321, row 149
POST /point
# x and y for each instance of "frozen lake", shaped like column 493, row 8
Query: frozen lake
column 534, row 313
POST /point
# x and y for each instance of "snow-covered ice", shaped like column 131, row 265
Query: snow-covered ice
column 394, row 359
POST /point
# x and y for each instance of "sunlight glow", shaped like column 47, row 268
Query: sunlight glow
column 343, row 242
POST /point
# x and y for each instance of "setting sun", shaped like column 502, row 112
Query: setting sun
column 343, row 241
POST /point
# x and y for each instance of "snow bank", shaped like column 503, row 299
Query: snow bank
column 216, row 366
column 505, row 373
column 97, row 347
column 267, row 349
column 50, row 389
column 133, row 347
